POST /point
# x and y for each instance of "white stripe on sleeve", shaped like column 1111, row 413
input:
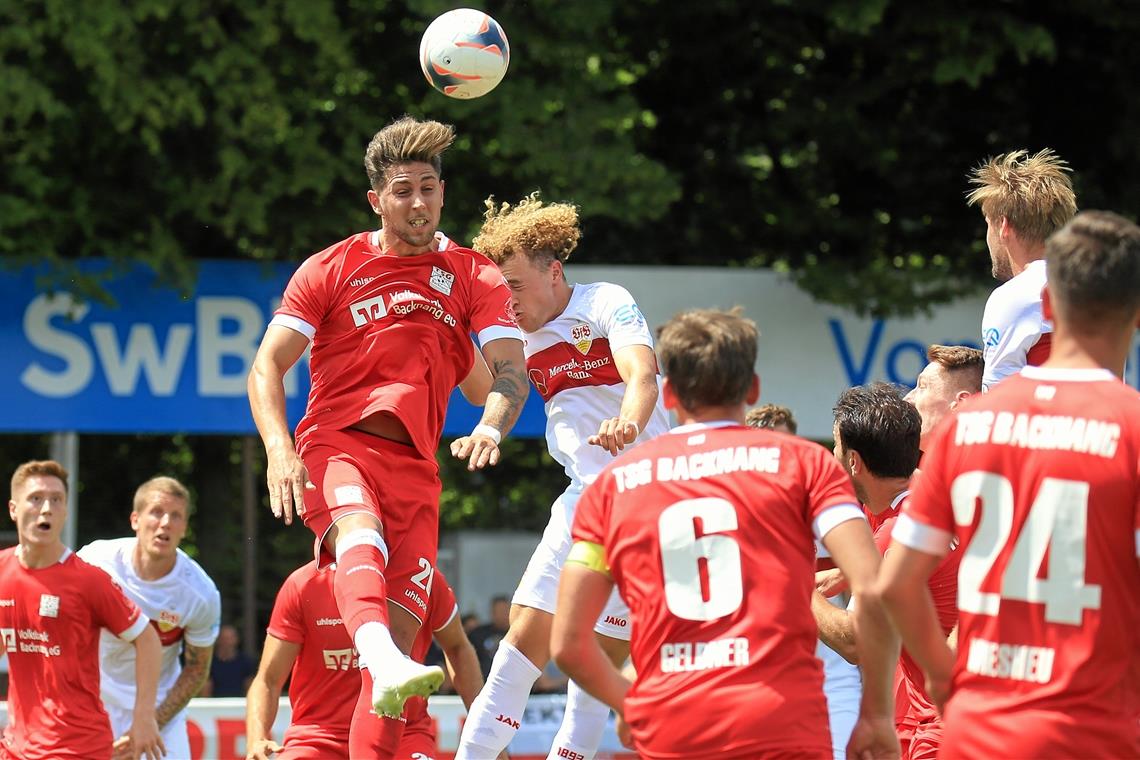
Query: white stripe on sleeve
column 294, row 323
column 495, row 332
column 921, row 537
column 135, row 630
column 832, row 516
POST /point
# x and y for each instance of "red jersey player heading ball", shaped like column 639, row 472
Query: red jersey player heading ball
column 707, row 531
column 1039, row 481
column 390, row 313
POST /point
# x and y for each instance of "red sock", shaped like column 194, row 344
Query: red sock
column 359, row 587
column 370, row 735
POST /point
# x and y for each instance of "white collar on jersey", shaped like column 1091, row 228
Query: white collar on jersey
column 694, row 426
column 374, row 238
column 62, row 558
column 895, row 501
column 1071, row 374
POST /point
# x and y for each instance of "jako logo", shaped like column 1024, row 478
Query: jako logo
column 509, row 721
column 619, row 622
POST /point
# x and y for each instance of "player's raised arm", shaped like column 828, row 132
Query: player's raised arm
column 637, row 366
column 876, row 644
column 505, row 401
column 285, row 474
column 277, row 658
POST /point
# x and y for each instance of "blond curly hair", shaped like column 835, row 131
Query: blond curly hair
column 540, row 231
column 1034, row 193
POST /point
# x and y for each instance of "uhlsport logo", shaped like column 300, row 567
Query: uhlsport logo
column 582, row 337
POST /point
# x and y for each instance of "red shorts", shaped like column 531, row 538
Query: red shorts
column 358, row 472
column 314, row 748
column 419, row 741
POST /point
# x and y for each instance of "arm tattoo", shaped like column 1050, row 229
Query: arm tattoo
column 194, row 673
column 510, row 387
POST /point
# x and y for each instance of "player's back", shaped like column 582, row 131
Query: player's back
column 709, row 537
column 1044, row 482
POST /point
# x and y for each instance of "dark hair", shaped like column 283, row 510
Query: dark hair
column 404, row 141
column 875, row 421
column 709, row 357
column 1094, row 269
column 771, row 416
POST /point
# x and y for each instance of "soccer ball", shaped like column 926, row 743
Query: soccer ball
column 464, row 53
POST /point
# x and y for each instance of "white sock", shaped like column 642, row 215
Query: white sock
column 497, row 712
column 582, row 726
column 377, row 651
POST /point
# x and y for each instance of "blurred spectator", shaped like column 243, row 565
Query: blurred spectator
column 486, row 637
column 232, row 670
column 471, row 621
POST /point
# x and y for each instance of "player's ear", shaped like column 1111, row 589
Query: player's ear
column 1046, row 303
column 134, row 520
column 1004, row 229
column 442, row 187
column 374, row 202
column 669, row 396
column 753, row 390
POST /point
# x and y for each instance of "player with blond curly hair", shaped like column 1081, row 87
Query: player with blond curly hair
column 1024, row 200
column 589, row 353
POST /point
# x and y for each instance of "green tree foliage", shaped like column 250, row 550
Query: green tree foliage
column 166, row 130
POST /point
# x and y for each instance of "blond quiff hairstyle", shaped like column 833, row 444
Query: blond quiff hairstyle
column 405, row 140
column 540, row 231
column 1034, row 193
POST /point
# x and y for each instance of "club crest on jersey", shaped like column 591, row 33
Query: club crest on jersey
column 49, row 605
column 582, row 337
column 168, row 621
column 441, row 280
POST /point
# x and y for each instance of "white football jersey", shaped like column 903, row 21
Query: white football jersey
column 570, row 362
column 183, row 605
column 1012, row 324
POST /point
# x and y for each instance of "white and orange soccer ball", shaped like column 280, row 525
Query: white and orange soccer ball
column 464, row 53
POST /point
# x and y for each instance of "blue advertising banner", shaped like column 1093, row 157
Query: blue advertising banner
column 157, row 362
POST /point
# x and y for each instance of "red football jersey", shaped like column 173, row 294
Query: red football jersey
column 1039, row 480
column 325, row 682
column 708, row 533
column 50, row 620
column 392, row 333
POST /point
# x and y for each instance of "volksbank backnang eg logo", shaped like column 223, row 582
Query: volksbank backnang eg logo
column 368, row 310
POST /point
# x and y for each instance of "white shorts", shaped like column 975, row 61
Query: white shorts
column 174, row 734
column 539, row 585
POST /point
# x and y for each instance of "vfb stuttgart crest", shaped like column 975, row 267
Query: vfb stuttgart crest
column 582, row 337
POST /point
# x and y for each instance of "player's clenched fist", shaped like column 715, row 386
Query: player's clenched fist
column 614, row 434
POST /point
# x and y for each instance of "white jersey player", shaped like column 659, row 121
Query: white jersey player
column 590, row 355
column 181, row 601
column 1024, row 200
column 1014, row 331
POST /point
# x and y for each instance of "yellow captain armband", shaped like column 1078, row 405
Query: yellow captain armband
column 591, row 555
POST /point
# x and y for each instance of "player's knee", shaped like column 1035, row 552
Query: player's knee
column 360, row 537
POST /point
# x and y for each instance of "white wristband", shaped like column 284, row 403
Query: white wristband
column 488, row 431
